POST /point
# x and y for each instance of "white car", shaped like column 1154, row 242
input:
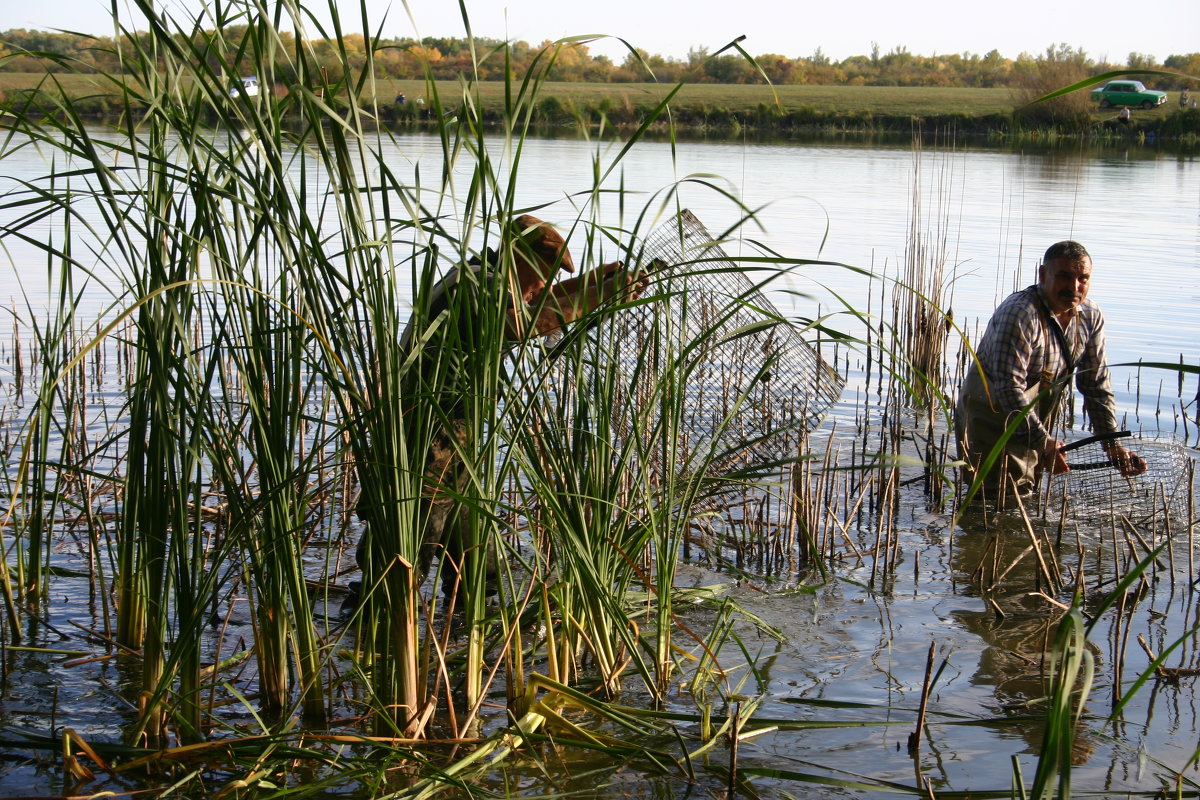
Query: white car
column 247, row 86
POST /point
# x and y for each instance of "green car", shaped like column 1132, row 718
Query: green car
column 1128, row 93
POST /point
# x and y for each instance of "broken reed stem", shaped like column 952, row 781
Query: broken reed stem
column 914, row 738
column 734, row 734
column 1191, row 508
column 1052, row 578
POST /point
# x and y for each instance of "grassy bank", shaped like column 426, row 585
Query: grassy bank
column 741, row 99
column 695, row 107
column 848, row 100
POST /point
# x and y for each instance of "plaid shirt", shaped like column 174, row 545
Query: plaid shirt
column 1019, row 351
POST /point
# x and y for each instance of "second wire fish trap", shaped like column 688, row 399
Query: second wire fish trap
column 1094, row 488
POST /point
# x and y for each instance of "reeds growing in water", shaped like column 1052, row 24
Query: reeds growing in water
column 274, row 409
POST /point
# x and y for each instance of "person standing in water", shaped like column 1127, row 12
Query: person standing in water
column 1037, row 339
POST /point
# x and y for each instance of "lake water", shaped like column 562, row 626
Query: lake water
column 992, row 214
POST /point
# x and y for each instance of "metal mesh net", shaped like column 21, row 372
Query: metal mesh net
column 1094, row 489
column 753, row 385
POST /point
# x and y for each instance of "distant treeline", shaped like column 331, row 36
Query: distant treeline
column 447, row 58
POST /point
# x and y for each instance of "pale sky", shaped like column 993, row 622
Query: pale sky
column 1105, row 29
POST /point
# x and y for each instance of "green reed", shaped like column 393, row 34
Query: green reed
column 267, row 509
column 161, row 466
column 265, row 235
column 589, row 526
column 54, row 410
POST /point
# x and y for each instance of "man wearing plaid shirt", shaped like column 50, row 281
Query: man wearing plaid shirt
column 1035, row 340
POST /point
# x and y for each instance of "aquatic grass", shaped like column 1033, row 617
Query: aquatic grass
column 161, row 445
column 370, row 396
column 57, row 407
column 276, row 212
column 1071, row 674
column 924, row 290
column 267, row 512
column 161, row 545
column 619, row 476
column 55, row 411
column 588, row 483
column 593, row 542
column 352, row 369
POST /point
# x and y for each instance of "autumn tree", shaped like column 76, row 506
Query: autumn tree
column 780, row 70
column 1060, row 66
column 446, row 58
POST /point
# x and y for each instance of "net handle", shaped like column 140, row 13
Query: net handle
column 1091, row 465
column 1100, row 437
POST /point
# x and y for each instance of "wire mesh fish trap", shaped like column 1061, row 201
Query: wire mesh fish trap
column 1095, row 489
column 753, row 386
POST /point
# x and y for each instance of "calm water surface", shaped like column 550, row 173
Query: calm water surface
column 987, row 215
column 990, row 214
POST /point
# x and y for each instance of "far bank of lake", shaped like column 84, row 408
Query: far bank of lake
column 731, row 110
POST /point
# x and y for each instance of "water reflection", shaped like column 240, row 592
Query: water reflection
column 1021, row 604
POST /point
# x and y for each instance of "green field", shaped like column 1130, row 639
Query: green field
column 830, row 101
column 882, row 100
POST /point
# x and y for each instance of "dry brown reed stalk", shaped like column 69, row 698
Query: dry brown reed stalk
column 18, row 355
column 1172, row 674
column 998, row 575
column 914, row 738
column 801, row 518
column 1191, row 514
column 1122, row 627
column 922, row 329
column 887, row 506
column 1047, row 564
column 826, row 501
column 1132, row 534
column 837, row 519
column 1164, row 510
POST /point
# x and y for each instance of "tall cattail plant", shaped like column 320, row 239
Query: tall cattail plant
column 269, row 257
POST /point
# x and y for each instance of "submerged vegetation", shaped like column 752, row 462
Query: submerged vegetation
column 222, row 393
